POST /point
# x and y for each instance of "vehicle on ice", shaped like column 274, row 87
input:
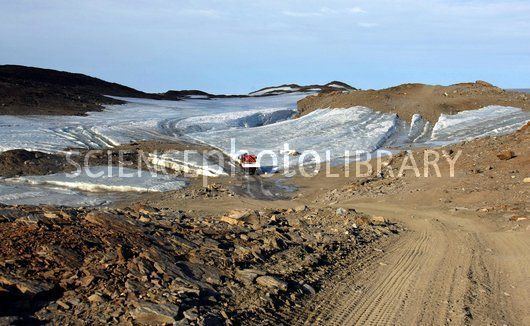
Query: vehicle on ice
column 248, row 163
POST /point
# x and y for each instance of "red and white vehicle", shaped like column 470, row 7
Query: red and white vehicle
column 249, row 163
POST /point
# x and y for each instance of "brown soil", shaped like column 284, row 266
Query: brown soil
column 427, row 100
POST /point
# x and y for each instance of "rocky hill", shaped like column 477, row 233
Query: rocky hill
column 428, row 100
column 29, row 90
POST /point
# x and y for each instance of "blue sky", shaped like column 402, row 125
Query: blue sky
column 234, row 46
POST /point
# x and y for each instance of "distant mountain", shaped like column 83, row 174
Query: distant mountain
column 267, row 91
column 523, row 90
column 37, row 91
column 178, row 95
column 293, row 88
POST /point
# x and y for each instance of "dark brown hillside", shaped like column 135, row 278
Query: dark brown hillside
column 29, row 90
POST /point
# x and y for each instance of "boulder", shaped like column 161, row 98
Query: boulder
column 148, row 313
column 300, row 208
column 230, row 220
column 378, row 220
column 191, row 314
column 271, row 282
column 98, row 218
column 506, row 155
column 144, row 209
column 31, row 288
column 95, row 298
column 247, row 276
column 518, row 218
column 86, row 281
column 309, row 289
column 238, row 214
column 235, row 217
column 124, row 253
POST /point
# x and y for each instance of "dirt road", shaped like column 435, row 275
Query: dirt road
column 447, row 268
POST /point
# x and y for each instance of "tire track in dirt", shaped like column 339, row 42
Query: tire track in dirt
column 333, row 292
column 374, row 307
column 442, row 271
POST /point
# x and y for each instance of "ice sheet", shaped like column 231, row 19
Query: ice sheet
column 23, row 194
column 141, row 119
column 353, row 129
column 102, row 178
column 256, row 124
column 222, row 121
column 360, row 129
column 488, row 121
column 189, row 162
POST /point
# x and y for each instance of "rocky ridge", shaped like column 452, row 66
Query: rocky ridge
column 430, row 101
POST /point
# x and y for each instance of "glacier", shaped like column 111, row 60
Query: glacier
column 467, row 125
column 355, row 129
column 252, row 124
column 141, row 119
column 333, row 133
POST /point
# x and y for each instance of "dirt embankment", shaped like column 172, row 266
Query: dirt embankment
column 428, row 100
column 491, row 178
column 21, row 162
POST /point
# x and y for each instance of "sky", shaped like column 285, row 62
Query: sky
column 237, row 46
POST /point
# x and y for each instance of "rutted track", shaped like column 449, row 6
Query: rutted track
column 445, row 270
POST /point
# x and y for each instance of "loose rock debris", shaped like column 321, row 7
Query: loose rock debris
column 143, row 265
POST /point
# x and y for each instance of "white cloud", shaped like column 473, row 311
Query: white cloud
column 328, row 11
column 367, row 25
column 324, row 11
column 352, row 10
column 201, row 12
column 357, row 10
column 301, row 14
